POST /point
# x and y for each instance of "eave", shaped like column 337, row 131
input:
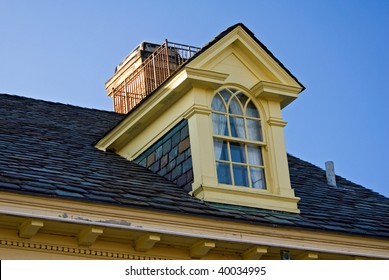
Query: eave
column 143, row 227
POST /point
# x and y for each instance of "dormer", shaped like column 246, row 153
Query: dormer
column 213, row 124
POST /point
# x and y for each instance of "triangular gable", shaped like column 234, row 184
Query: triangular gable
column 238, row 46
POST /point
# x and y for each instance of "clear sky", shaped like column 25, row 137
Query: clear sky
column 64, row 51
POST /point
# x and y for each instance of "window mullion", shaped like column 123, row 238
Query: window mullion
column 230, row 162
column 245, row 126
column 248, row 165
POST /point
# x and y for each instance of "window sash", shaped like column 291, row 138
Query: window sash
column 244, row 170
column 238, row 140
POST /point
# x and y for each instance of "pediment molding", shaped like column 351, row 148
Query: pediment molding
column 251, row 53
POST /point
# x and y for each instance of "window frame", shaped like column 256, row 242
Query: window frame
column 244, row 143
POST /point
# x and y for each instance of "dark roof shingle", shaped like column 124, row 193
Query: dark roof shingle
column 46, row 149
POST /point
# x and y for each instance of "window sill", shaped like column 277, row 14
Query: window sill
column 244, row 196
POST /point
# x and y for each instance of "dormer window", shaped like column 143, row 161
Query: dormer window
column 237, row 139
column 230, row 96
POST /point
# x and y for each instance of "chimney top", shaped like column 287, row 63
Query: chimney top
column 144, row 70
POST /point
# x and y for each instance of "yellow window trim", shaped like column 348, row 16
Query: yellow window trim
column 279, row 195
column 234, row 92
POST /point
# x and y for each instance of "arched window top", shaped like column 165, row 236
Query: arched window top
column 237, row 103
column 235, row 115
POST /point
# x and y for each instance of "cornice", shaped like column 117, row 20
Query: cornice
column 210, row 78
column 187, row 226
column 276, row 122
column 283, row 93
column 197, row 109
column 263, row 87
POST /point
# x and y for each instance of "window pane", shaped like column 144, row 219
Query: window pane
column 255, row 155
column 254, row 130
column 251, row 110
column 237, row 152
column 257, row 178
column 235, row 107
column 223, row 173
column 237, row 127
column 219, row 123
column 226, row 95
column 242, row 98
column 217, row 104
column 221, row 149
column 240, row 175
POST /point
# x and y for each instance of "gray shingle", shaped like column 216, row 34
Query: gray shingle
column 46, row 149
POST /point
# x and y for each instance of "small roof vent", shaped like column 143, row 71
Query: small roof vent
column 330, row 173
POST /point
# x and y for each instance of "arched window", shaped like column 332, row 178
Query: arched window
column 238, row 140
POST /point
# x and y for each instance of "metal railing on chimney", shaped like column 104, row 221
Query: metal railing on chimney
column 154, row 70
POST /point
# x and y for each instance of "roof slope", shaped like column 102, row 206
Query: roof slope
column 46, row 149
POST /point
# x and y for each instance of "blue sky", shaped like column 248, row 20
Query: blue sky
column 64, row 51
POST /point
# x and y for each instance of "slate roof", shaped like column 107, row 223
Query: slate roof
column 46, row 149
